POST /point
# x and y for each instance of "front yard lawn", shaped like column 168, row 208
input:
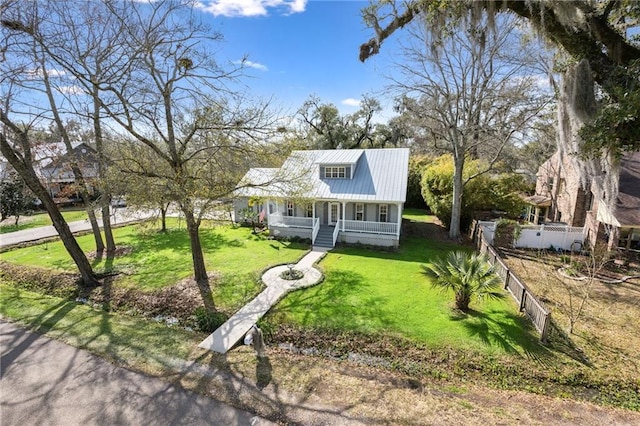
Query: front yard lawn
column 153, row 260
column 375, row 292
column 374, row 307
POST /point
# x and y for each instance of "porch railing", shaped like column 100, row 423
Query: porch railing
column 370, row 227
column 336, row 231
column 316, row 228
column 290, row 221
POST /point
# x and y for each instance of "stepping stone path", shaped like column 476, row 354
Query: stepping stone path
column 230, row 333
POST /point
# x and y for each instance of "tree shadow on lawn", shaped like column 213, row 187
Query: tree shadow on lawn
column 178, row 240
column 510, row 332
column 340, row 301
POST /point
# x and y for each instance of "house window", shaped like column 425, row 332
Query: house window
column 550, row 183
column 335, row 172
column 590, row 201
column 383, row 210
column 359, row 211
column 309, row 210
column 290, row 208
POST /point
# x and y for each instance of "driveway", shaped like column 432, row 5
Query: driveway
column 45, row 382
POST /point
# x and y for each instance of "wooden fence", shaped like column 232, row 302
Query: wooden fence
column 529, row 303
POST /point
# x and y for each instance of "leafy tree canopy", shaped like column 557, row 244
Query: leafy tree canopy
column 482, row 193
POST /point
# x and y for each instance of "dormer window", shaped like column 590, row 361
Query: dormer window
column 335, row 172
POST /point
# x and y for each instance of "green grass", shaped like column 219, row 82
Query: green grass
column 40, row 219
column 126, row 340
column 417, row 215
column 160, row 259
column 379, row 292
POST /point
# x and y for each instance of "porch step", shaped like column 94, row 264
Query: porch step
column 324, row 237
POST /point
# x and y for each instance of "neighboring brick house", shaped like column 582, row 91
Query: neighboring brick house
column 562, row 197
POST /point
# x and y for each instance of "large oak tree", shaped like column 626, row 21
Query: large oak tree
column 595, row 30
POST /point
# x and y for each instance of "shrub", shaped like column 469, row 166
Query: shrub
column 207, row 321
column 484, row 192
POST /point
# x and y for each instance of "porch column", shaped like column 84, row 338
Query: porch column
column 399, row 220
column 344, row 214
column 313, row 214
column 535, row 222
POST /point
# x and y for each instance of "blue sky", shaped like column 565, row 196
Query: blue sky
column 298, row 48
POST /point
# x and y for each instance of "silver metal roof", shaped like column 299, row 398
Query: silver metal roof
column 380, row 175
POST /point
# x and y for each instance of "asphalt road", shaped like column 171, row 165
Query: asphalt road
column 45, row 382
column 121, row 215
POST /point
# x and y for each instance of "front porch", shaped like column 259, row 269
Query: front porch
column 343, row 221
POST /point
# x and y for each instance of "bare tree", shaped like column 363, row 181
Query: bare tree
column 19, row 116
column 68, row 51
column 15, row 146
column 155, row 78
column 186, row 109
column 599, row 36
column 473, row 91
column 579, row 289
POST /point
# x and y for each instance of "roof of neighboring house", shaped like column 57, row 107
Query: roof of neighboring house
column 380, row 175
column 628, row 202
column 82, row 153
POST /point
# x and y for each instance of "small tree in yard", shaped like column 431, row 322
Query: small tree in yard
column 468, row 275
column 14, row 197
column 579, row 289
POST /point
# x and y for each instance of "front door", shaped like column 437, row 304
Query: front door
column 334, row 213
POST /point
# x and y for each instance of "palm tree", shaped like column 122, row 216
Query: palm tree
column 467, row 275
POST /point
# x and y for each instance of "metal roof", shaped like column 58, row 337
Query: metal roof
column 380, row 175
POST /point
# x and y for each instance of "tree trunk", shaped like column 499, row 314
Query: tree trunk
column 163, row 214
column 199, row 269
column 95, row 227
column 106, row 194
column 456, row 202
column 75, row 168
column 108, row 232
column 28, row 174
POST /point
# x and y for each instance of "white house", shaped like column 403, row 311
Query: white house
column 352, row 196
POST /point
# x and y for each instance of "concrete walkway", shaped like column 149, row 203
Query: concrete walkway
column 230, row 333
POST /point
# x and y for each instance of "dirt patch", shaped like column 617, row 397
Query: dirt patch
column 606, row 330
column 175, row 304
column 42, row 280
column 120, row 251
column 429, row 230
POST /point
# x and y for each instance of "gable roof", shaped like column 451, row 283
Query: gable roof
column 381, row 175
column 628, row 202
column 81, row 153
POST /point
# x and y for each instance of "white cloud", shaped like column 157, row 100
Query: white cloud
column 351, row 102
column 37, row 73
column 255, row 65
column 70, row 90
column 235, row 8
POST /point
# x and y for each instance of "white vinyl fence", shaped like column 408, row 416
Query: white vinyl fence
column 562, row 237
